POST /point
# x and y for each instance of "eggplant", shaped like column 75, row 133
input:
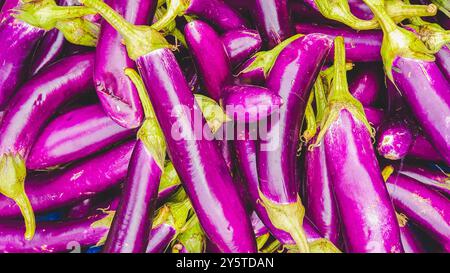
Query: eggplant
column 443, row 61
column 291, row 77
column 366, row 212
column 365, row 86
column 49, row 50
column 247, row 103
column 241, row 44
column 54, row 237
column 217, row 12
column 435, row 179
column 116, row 92
column 423, row 206
column 395, row 137
column 132, row 222
column 73, row 136
column 421, row 148
column 28, row 111
column 362, row 46
column 210, row 187
column 410, row 241
column 410, row 65
column 374, row 115
column 210, row 57
column 272, row 19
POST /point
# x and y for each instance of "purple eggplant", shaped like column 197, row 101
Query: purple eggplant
column 116, row 92
column 48, row 50
column 241, row 44
column 76, row 183
column 374, row 115
column 210, row 57
column 209, row 185
column 217, row 12
column 28, row 111
column 423, row 206
column 273, row 20
column 421, row 148
column 410, row 241
column 366, row 85
column 362, row 46
column 291, row 77
column 53, row 237
column 248, row 103
column 409, row 65
column 130, row 229
column 73, row 136
column 443, row 61
column 435, row 179
column 395, row 137
column 366, row 212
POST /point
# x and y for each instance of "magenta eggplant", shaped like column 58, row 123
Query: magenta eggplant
column 116, row 92
column 435, row 179
column 410, row 241
column 210, row 57
column 443, row 61
column 422, row 149
column 76, row 183
column 425, row 207
column 54, row 237
column 395, row 138
column 73, row 136
column 362, row 46
column 273, row 20
column 241, row 44
column 160, row 238
column 249, row 103
column 49, row 49
column 374, row 115
column 366, row 84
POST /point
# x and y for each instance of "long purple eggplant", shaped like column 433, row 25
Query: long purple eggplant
column 273, row 20
column 362, row 46
column 366, row 84
column 435, row 179
column 48, row 50
column 291, row 77
column 423, row 206
column 130, row 229
column 116, row 92
column 241, row 44
column 209, row 185
column 374, row 115
column 73, row 136
column 409, row 65
column 216, row 12
column 28, row 111
column 366, row 212
column 423, row 149
column 210, row 57
column 69, row 236
column 80, row 181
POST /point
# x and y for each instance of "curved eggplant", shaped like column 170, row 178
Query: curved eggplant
column 366, row 85
column 241, row 44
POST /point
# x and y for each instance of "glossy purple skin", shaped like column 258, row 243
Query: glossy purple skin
column 395, row 138
column 250, row 103
column 362, row 46
column 411, row 243
column 374, row 115
column 48, row 50
column 360, row 9
column 272, row 19
column 75, row 135
column 443, row 61
column 52, row 237
column 81, row 210
column 427, row 92
column 21, row 39
column 437, row 180
column 39, row 98
column 196, row 157
column 255, row 76
column 320, row 205
column 291, row 77
column 366, row 212
column 116, row 92
column 258, row 226
column 423, row 149
column 210, row 57
column 160, row 238
column 218, row 13
column 76, row 183
column 365, row 86
column 130, row 229
column 425, row 207
column 241, row 44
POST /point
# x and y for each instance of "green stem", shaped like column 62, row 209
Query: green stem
column 139, row 40
column 399, row 10
column 321, row 99
column 443, row 5
column 174, row 8
column 192, row 236
column 311, row 125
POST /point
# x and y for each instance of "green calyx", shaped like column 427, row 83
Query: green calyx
column 150, row 132
column 139, row 40
column 265, row 60
column 12, row 179
column 79, row 31
column 192, row 237
column 397, row 41
column 340, row 97
column 174, row 214
column 169, row 178
column 213, row 113
column 171, row 28
column 432, row 34
column 400, row 10
column 174, row 8
column 289, row 218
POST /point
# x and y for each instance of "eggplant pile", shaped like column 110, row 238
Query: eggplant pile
column 223, row 126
